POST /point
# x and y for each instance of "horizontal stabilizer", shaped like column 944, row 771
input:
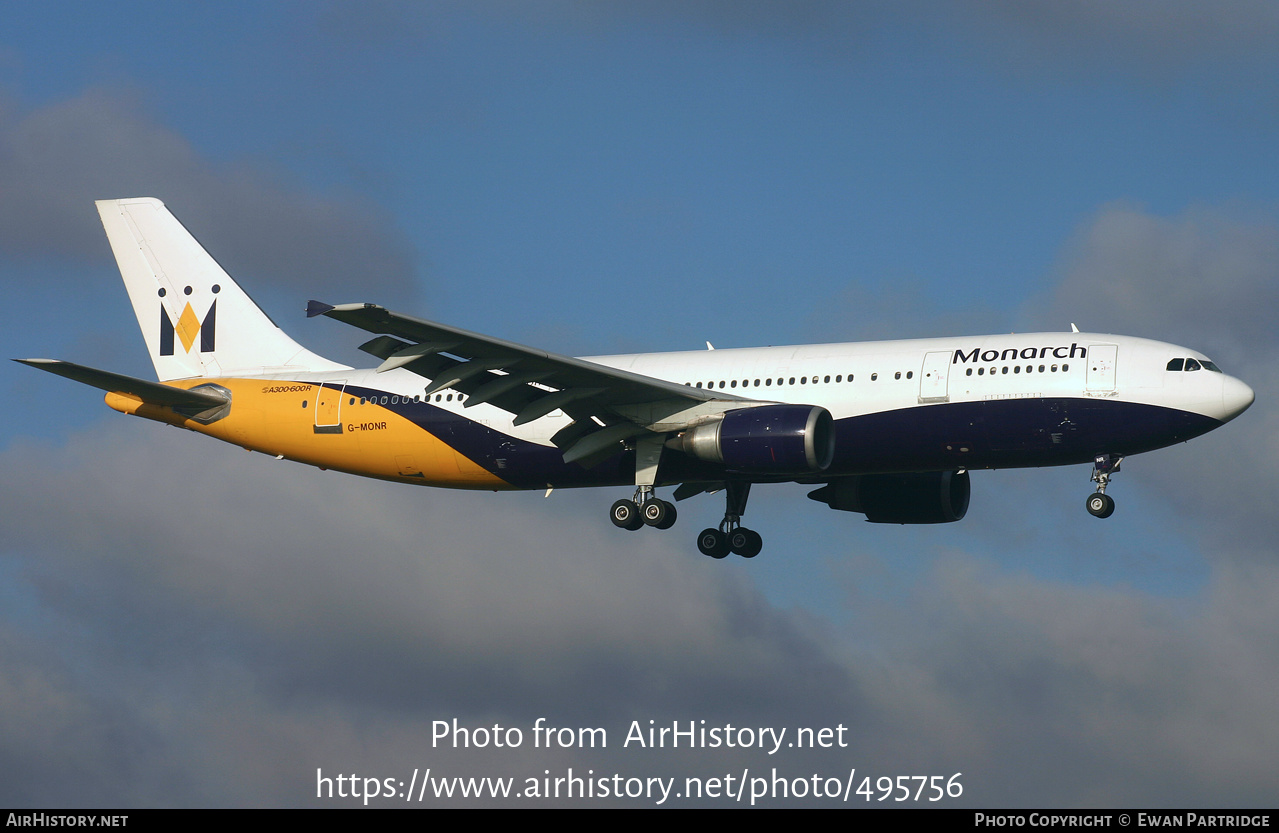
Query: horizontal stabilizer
column 150, row 392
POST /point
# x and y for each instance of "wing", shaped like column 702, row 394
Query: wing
column 607, row 405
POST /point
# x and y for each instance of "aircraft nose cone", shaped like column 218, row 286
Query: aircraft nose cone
column 1235, row 397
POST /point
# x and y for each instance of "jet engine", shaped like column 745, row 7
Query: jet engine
column 925, row 498
column 768, row 439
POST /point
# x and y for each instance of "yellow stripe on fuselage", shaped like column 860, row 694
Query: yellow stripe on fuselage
column 280, row 418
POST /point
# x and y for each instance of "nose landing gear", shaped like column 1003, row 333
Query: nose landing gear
column 1100, row 504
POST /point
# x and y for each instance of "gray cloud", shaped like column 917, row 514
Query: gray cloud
column 1207, row 275
column 1126, row 699
column 56, row 160
column 1206, row 279
column 400, row 606
column 203, row 626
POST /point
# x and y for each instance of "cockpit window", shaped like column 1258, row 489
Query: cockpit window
column 1210, row 366
column 1191, row 364
column 1176, row 364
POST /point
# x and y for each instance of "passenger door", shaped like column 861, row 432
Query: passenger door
column 933, row 377
column 1101, row 367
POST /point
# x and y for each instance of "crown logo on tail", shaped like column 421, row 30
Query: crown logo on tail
column 188, row 328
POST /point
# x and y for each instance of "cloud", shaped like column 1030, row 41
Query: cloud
column 56, row 160
column 1207, row 275
column 1207, row 279
column 1124, row 698
column 294, row 597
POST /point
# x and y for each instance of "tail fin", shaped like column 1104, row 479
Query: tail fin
column 196, row 321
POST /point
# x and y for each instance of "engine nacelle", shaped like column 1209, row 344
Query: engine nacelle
column 768, row 439
column 928, row 498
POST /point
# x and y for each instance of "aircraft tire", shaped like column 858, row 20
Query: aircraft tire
column 671, row 515
column 712, row 542
column 655, row 512
column 626, row 515
column 1101, row 505
column 745, row 542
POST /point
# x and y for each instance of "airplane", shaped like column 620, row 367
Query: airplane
column 887, row 429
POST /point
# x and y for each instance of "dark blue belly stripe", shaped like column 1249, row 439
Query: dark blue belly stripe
column 1009, row 433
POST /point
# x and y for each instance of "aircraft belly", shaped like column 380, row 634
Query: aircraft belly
column 1008, row 433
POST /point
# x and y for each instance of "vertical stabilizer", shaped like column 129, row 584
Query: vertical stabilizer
column 196, row 320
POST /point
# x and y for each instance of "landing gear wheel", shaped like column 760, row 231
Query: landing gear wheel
column 712, row 542
column 658, row 513
column 1101, row 505
column 671, row 515
column 745, row 542
column 626, row 515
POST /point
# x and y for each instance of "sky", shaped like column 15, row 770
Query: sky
column 184, row 624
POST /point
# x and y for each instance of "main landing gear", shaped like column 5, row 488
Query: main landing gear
column 645, row 508
column 731, row 536
column 1100, row 504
